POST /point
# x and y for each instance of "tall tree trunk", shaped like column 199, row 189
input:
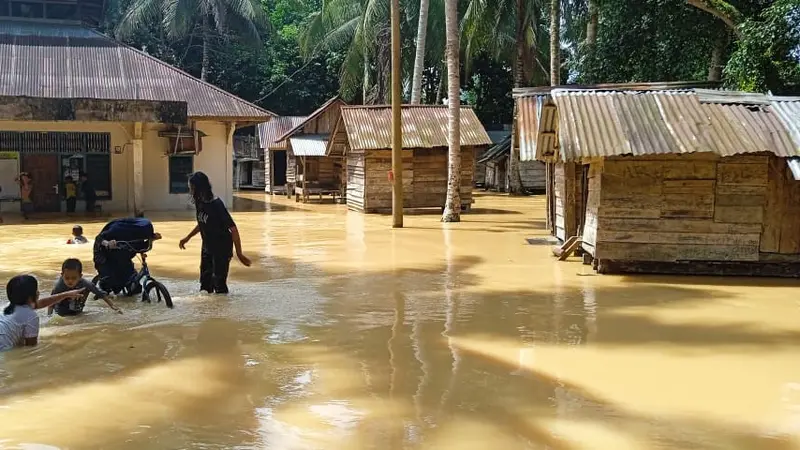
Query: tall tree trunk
column 204, row 66
column 591, row 25
column 384, row 69
column 440, row 86
column 717, row 57
column 419, row 58
column 555, row 42
column 722, row 10
column 515, row 186
column 365, row 89
column 452, row 207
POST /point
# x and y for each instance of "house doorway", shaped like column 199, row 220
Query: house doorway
column 44, row 170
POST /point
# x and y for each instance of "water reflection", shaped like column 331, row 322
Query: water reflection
column 349, row 335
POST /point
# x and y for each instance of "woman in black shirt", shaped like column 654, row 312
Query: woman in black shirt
column 219, row 233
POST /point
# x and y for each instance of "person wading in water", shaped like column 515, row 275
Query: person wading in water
column 219, row 233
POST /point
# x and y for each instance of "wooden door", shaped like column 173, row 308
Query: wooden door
column 45, row 173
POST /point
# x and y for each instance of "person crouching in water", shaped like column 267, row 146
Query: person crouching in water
column 77, row 236
column 219, row 233
column 19, row 323
column 72, row 278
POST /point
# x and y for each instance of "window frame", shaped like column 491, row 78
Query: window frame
column 170, row 181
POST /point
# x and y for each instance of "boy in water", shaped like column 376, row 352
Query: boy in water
column 71, row 193
column 77, row 236
column 71, row 279
column 19, row 324
column 25, row 190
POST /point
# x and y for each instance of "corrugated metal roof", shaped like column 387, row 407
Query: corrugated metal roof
column 608, row 123
column 335, row 101
column 497, row 151
column 309, row 145
column 789, row 114
column 498, row 136
column 67, row 61
column 370, row 127
column 269, row 132
column 618, row 87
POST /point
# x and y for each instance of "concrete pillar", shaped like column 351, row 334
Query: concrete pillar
column 230, row 129
column 138, row 168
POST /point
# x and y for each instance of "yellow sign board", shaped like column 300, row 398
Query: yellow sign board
column 9, row 155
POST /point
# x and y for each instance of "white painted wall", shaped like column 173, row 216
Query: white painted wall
column 216, row 160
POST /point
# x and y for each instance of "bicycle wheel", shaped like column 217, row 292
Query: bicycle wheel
column 158, row 292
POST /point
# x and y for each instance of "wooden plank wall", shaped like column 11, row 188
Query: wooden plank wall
column 424, row 178
column 567, row 190
column 355, row 181
column 533, row 175
column 378, row 187
column 696, row 207
column 594, row 190
column 291, row 166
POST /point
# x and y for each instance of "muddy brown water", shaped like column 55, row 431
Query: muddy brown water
column 346, row 334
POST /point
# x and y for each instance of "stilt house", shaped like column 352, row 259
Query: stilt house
column 275, row 152
column 364, row 135
column 670, row 178
column 314, row 167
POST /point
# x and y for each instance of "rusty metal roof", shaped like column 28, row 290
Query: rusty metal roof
column 309, row 145
column 68, row 61
column 594, row 123
column 269, row 132
column 334, row 102
column 424, row 126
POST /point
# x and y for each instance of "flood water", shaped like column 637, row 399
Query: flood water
column 346, row 334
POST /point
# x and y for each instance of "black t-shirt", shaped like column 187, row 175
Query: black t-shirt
column 215, row 223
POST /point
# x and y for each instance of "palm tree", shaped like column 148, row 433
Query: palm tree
column 555, row 42
column 419, row 57
column 497, row 27
column 180, row 18
column 452, row 207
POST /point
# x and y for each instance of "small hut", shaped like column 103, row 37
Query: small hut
column 670, row 178
column 314, row 168
column 248, row 163
column 363, row 134
column 492, row 167
column 275, row 152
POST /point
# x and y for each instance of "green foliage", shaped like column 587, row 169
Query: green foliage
column 767, row 56
column 488, row 89
column 648, row 40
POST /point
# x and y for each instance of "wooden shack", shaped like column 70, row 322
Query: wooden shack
column 671, row 179
column 313, row 167
column 495, row 165
column 275, row 153
column 363, row 133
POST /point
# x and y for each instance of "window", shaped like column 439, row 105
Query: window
column 27, row 10
column 180, row 167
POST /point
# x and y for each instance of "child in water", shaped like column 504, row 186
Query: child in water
column 72, row 278
column 19, row 324
column 77, row 236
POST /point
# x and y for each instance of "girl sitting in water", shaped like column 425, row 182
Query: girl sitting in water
column 19, row 324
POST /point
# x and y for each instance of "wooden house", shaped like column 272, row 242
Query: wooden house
column 313, row 167
column 670, row 178
column 248, row 163
column 275, row 152
column 364, row 135
column 493, row 166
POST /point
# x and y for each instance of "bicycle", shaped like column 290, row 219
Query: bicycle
column 142, row 279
